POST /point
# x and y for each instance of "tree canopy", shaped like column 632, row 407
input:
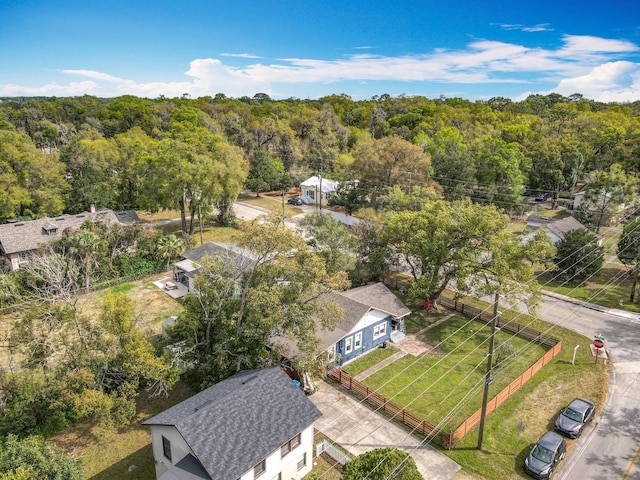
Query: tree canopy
column 463, row 242
column 579, row 255
column 277, row 289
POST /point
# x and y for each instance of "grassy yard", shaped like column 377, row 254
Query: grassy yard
column 151, row 305
column 373, row 357
column 272, row 202
column 433, row 384
column 536, row 405
column 609, row 288
column 123, row 454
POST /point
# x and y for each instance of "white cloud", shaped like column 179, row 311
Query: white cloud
column 97, row 76
column 586, row 44
column 239, row 55
column 582, row 64
column 611, row 82
column 540, row 27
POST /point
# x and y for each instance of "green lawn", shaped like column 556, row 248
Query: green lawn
column 373, row 357
column 535, row 405
column 610, row 288
column 271, row 202
column 122, row 454
column 433, row 384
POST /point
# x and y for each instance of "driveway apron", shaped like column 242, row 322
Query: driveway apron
column 359, row 429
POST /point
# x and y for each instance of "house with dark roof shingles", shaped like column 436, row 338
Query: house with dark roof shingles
column 371, row 316
column 18, row 240
column 257, row 423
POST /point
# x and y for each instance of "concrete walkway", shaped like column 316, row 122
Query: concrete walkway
column 387, row 361
column 359, row 429
column 379, row 366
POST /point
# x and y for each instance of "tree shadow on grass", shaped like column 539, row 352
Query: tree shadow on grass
column 138, row 465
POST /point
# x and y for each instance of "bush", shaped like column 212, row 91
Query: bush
column 33, row 457
column 389, row 463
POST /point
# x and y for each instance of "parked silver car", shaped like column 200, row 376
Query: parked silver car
column 575, row 416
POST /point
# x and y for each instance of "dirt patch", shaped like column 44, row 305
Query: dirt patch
column 415, row 346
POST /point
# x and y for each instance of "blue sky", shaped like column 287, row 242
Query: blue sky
column 308, row 49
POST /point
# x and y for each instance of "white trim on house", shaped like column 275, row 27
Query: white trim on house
column 318, row 189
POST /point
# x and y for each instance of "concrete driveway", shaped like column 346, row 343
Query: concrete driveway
column 359, row 429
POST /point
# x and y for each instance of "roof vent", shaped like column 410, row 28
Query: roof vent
column 80, row 216
column 202, row 405
column 18, row 224
column 253, row 377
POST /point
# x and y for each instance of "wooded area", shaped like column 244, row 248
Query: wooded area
column 65, row 154
column 431, row 179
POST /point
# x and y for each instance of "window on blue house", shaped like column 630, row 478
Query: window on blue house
column 348, row 345
column 379, row 330
column 358, row 340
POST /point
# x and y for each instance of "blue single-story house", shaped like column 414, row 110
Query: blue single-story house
column 371, row 315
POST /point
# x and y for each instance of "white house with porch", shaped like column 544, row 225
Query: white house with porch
column 318, row 189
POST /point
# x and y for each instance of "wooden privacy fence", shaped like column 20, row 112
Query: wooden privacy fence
column 418, row 424
column 509, row 390
column 501, row 323
column 396, row 412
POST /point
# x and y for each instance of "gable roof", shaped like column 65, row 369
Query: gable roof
column 234, row 424
column 378, row 296
column 316, row 181
column 29, row 235
column 559, row 227
column 234, row 258
column 355, row 304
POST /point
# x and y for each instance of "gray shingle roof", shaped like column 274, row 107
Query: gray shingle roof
column 189, row 468
column 355, row 304
column 29, row 235
column 234, row 424
column 232, row 256
column 379, row 297
column 559, row 227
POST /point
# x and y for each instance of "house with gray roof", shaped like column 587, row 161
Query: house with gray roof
column 555, row 228
column 371, row 316
column 18, row 240
column 255, row 423
column 234, row 259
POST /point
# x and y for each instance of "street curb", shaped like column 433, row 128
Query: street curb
column 611, row 311
column 575, row 301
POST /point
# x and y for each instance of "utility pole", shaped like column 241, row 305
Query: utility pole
column 283, row 224
column 487, row 376
column 200, row 218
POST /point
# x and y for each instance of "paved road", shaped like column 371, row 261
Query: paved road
column 611, row 448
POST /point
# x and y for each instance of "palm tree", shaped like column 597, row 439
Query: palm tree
column 169, row 246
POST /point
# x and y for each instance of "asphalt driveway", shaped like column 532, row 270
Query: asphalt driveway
column 359, row 429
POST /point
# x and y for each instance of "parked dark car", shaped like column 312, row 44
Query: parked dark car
column 545, row 455
column 295, row 201
column 572, row 420
column 543, row 197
